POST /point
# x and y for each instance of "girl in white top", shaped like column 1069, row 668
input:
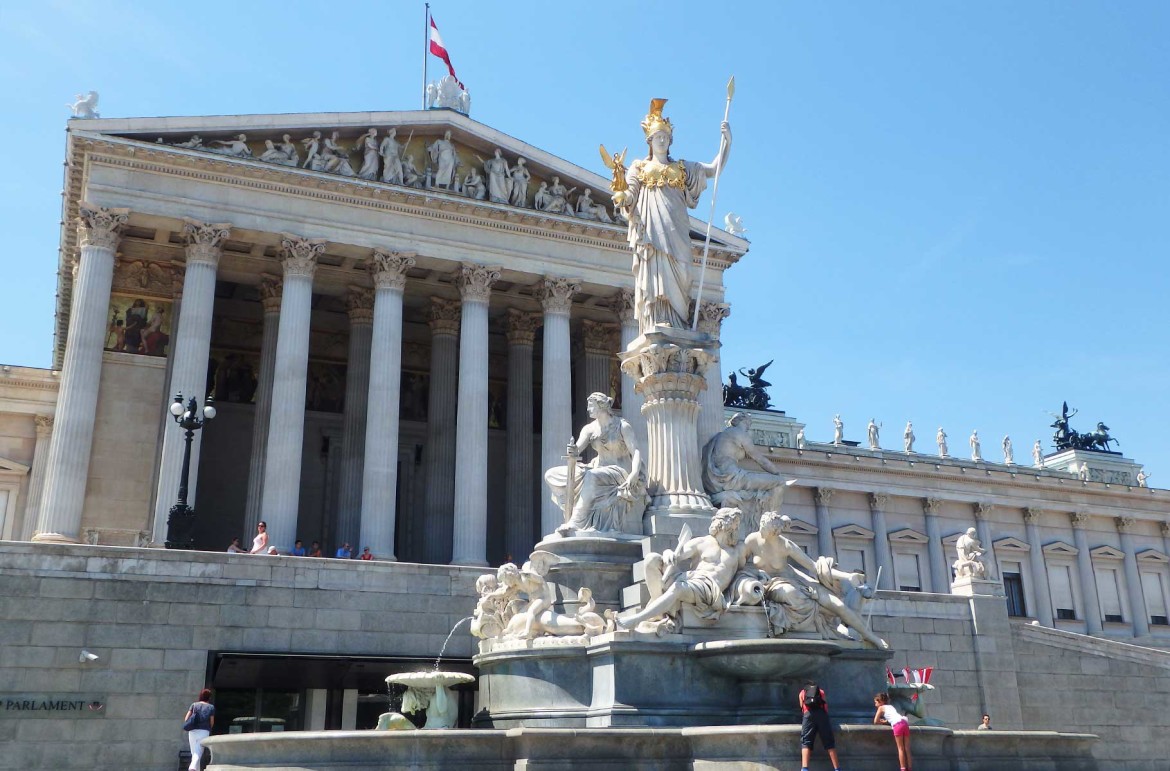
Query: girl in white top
column 260, row 542
column 888, row 714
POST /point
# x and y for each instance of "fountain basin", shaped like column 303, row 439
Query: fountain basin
column 765, row 660
column 430, row 691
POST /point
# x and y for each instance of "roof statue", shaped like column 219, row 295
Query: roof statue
column 85, row 106
column 448, row 94
column 1066, row 438
column 753, row 396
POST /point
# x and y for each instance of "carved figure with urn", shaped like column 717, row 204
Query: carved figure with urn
column 731, row 483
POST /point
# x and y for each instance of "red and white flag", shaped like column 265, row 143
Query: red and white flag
column 439, row 50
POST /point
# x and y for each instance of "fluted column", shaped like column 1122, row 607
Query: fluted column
column 1043, row 609
column 940, row 575
column 1166, row 537
column 519, row 525
column 983, row 529
column 439, row 453
column 67, row 466
column 711, row 317
column 359, row 304
column 469, row 545
column 379, row 521
column 1085, row 572
column 282, row 464
column 599, row 347
column 822, row 497
column 881, row 539
column 270, row 296
column 556, row 421
column 623, row 305
column 36, row 480
column 1133, row 581
column 189, row 362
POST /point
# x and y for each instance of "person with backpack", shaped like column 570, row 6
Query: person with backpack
column 814, row 722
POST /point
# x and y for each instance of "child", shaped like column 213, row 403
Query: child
column 889, row 715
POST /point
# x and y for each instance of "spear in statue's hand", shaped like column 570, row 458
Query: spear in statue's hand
column 714, row 196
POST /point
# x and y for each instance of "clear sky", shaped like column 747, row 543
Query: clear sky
column 958, row 210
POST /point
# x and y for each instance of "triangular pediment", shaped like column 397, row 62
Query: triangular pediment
column 853, row 531
column 1106, row 553
column 907, row 535
column 800, row 527
column 1009, row 545
column 12, row 466
column 1152, row 556
column 1060, row 549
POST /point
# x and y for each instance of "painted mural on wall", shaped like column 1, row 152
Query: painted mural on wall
column 139, row 326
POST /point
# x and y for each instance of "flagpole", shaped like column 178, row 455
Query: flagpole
column 714, row 195
column 426, row 45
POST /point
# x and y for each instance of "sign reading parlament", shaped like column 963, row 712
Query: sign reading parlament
column 44, row 705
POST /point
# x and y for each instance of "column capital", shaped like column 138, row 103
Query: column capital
column 711, row 315
column 205, row 240
column 475, row 281
column 359, row 303
column 556, row 294
column 388, row 268
column 983, row 509
column 598, row 337
column 443, row 316
column 823, row 495
column 1032, row 515
column 1125, row 524
column 99, row 226
column 1080, row 519
column 521, row 326
column 1166, row 529
column 622, row 304
column 44, row 424
column 931, row 506
column 878, row 501
column 271, row 290
column 298, row 255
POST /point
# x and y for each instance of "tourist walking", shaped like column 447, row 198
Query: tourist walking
column 814, row 722
column 198, row 722
column 888, row 714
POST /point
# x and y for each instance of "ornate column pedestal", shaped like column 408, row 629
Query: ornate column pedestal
column 670, row 370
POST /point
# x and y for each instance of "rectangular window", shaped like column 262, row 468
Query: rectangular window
column 852, row 560
column 1013, row 585
column 1155, row 598
column 908, row 575
column 1060, row 584
column 1107, row 592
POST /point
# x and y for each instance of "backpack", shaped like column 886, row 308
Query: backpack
column 812, row 697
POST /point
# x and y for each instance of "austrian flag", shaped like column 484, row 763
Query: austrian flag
column 439, row 50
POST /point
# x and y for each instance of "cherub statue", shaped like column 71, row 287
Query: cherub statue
column 969, row 551
column 517, row 603
column 85, row 106
column 617, row 164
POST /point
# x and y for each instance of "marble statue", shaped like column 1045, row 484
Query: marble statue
column 516, row 603
column 444, row 161
column 733, row 485
column 336, row 157
column 800, row 438
column 733, row 224
column 237, row 148
column 194, row 143
column 367, row 145
column 391, row 151
column 941, row 438
column 588, row 210
column 1037, row 454
column 1142, row 476
column 312, row 145
column 976, row 453
column 284, row 154
column 820, row 599
column 473, row 185
column 541, row 199
column 1008, row 453
column 969, row 551
column 520, row 177
column 660, row 191
column 498, row 176
column 85, row 106
column 447, row 93
column 696, row 573
column 558, row 198
column 1083, row 472
column 608, row 494
column 871, row 432
column 908, row 438
column 410, row 175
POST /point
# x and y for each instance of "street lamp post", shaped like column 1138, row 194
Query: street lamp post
column 181, row 522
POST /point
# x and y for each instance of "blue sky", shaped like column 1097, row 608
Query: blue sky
column 958, row 211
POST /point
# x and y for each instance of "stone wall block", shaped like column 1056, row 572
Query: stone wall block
column 268, row 639
column 287, row 617
column 185, row 660
column 29, row 656
column 217, row 637
column 270, row 596
column 920, row 625
column 19, row 586
column 314, row 640
column 166, row 636
column 189, row 614
column 113, row 635
column 43, row 680
column 65, row 588
column 138, row 658
column 340, row 620
column 345, row 580
column 124, row 590
column 242, row 615
column 58, row 633
column 159, row 682
column 142, row 613
column 133, row 706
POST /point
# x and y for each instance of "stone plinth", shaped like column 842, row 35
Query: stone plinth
column 604, row 563
column 770, row 428
column 1104, row 467
column 670, row 372
column 967, row 586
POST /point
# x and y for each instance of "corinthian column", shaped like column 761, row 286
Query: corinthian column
column 556, row 417
column 36, row 481
column 518, row 515
column 881, row 539
column 286, row 431
column 1043, row 609
column 623, row 305
column 822, row 497
column 940, row 575
column 983, row 529
column 359, row 303
column 189, row 361
column 1085, row 572
column 67, row 466
column 711, row 317
column 1133, row 581
column 598, row 348
column 469, row 545
column 380, row 480
column 270, row 296
column 439, row 453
